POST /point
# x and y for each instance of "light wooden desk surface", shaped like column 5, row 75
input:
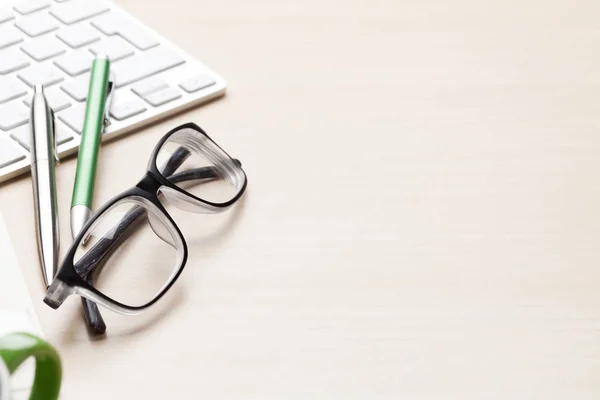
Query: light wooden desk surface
column 422, row 219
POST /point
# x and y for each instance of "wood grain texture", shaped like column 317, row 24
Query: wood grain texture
column 421, row 220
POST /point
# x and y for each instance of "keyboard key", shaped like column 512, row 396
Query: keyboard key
column 6, row 15
column 56, row 99
column 10, row 89
column 22, row 135
column 75, row 11
column 29, row 6
column 162, row 96
column 114, row 24
column 9, row 153
column 43, row 74
column 43, row 48
column 37, row 24
column 12, row 115
column 63, row 133
column 76, row 62
column 197, row 82
column 122, row 110
column 148, row 86
column 12, row 60
column 143, row 65
column 9, row 35
column 73, row 117
column 114, row 47
column 78, row 87
column 78, row 35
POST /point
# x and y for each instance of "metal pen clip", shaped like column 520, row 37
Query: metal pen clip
column 109, row 97
column 53, row 120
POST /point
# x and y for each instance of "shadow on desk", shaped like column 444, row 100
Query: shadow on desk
column 205, row 233
column 154, row 317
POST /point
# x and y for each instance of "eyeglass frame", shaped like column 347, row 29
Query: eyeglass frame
column 67, row 280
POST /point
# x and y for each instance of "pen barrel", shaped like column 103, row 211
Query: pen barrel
column 43, row 159
column 46, row 216
column 91, row 135
column 42, row 128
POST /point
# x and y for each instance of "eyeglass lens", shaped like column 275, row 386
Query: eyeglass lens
column 204, row 163
column 130, row 253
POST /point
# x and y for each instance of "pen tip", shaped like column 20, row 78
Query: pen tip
column 79, row 216
column 38, row 88
column 101, row 56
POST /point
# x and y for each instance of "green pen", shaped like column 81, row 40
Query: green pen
column 96, row 116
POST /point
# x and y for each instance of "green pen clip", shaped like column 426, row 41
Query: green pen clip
column 109, row 97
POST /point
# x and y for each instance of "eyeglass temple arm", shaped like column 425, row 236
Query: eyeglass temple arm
column 94, row 259
column 91, row 313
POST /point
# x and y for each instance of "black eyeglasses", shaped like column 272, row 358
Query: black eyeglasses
column 131, row 251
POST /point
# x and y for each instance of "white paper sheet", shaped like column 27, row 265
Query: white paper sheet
column 16, row 308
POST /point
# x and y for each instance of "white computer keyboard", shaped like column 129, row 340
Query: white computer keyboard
column 53, row 42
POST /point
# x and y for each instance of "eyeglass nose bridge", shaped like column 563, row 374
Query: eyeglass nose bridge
column 149, row 183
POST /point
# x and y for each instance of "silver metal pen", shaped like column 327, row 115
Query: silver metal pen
column 43, row 158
